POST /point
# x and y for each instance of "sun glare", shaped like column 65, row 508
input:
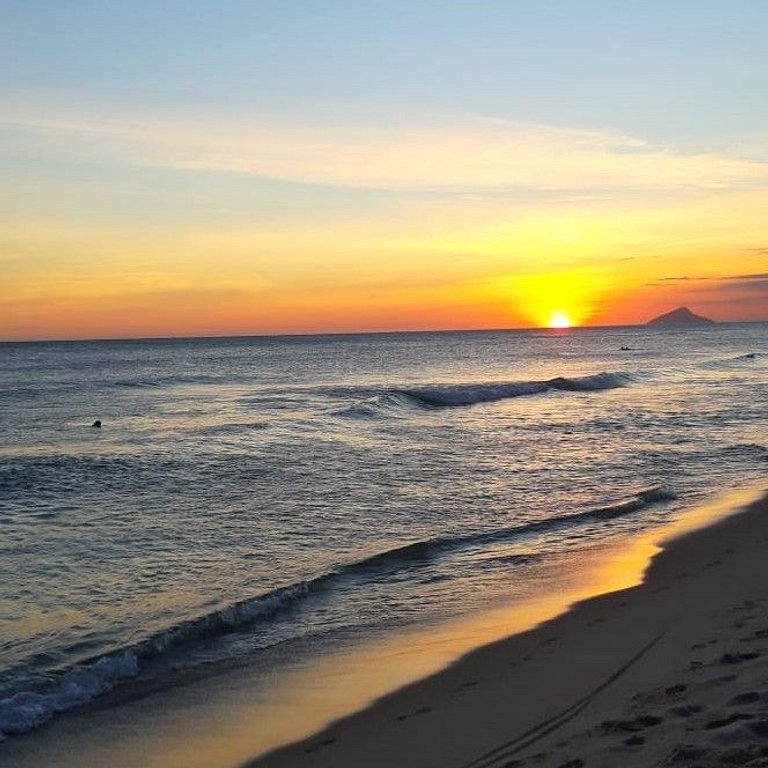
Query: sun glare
column 559, row 320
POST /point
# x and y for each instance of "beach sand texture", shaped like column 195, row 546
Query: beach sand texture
column 673, row 672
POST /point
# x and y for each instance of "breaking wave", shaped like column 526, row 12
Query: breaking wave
column 83, row 682
column 471, row 394
column 397, row 401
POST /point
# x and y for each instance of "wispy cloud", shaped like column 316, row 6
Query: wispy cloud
column 757, row 281
column 456, row 152
column 750, row 284
column 724, row 282
column 748, row 278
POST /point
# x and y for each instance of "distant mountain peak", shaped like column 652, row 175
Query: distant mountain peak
column 681, row 317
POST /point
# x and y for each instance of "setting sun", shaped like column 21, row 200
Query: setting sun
column 559, row 320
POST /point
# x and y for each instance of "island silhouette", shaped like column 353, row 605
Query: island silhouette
column 682, row 317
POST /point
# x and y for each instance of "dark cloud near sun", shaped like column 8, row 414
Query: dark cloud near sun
column 728, row 282
column 682, row 279
column 747, row 278
column 752, row 284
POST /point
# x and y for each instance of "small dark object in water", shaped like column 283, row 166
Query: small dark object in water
column 625, row 349
column 96, row 424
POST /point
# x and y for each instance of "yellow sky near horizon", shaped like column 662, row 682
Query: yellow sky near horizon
column 482, row 224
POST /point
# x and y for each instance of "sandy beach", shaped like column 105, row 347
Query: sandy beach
column 671, row 672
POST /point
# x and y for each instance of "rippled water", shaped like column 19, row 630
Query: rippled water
column 249, row 492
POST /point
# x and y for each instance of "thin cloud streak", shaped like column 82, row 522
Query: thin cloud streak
column 456, row 153
column 759, row 276
column 747, row 286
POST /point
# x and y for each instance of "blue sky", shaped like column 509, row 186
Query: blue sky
column 668, row 71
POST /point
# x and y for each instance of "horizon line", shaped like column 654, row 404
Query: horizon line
column 552, row 331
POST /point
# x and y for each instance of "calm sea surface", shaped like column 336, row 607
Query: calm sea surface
column 250, row 493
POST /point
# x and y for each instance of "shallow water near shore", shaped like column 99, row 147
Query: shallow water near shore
column 237, row 715
column 280, row 505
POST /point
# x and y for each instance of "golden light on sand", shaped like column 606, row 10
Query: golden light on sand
column 559, row 319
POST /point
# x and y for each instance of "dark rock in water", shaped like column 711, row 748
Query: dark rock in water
column 682, row 317
column 96, row 424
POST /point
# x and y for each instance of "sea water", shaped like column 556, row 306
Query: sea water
column 247, row 494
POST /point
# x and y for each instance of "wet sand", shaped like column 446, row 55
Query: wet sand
column 672, row 672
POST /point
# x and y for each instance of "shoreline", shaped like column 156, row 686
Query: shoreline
column 625, row 677
column 465, row 705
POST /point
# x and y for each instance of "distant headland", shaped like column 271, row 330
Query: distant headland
column 682, row 317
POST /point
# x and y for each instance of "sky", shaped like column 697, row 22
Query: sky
column 263, row 167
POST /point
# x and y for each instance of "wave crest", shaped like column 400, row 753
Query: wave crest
column 84, row 682
column 472, row 394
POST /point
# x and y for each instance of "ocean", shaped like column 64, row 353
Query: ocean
column 297, row 493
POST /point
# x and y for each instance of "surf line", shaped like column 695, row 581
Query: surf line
column 544, row 728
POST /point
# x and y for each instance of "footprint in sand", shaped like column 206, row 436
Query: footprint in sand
column 323, row 743
column 736, row 717
column 738, row 658
column 419, row 711
column 750, row 697
column 686, row 710
column 723, row 680
column 686, row 753
column 759, row 728
column 622, row 726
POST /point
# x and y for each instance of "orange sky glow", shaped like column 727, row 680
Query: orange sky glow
column 440, row 265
